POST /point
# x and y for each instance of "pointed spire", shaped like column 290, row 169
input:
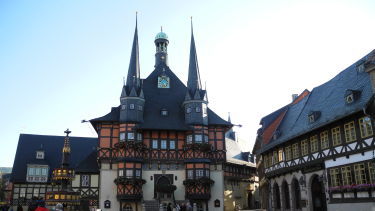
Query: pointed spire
column 229, row 118
column 134, row 68
column 194, row 81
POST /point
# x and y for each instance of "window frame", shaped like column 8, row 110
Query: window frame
column 336, row 136
column 349, row 131
column 324, row 140
column 365, row 129
column 314, row 147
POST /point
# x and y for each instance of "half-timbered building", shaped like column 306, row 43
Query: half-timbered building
column 317, row 153
column 163, row 144
column 36, row 158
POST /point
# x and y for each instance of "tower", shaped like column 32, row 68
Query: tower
column 132, row 98
column 195, row 103
column 161, row 43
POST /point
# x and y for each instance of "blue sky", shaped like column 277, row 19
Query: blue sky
column 64, row 61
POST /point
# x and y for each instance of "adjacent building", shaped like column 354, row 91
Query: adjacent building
column 317, row 153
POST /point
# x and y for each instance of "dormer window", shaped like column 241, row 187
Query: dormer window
column 188, row 110
column 164, row 112
column 198, row 109
column 276, row 135
column 40, row 155
column 313, row 116
column 140, row 108
column 361, row 67
column 351, row 96
column 131, row 106
column 123, row 107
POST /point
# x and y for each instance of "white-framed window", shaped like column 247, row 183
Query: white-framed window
column 123, row 107
column 207, row 173
column 349, row 98
column 37, row 173
column 163, row 144
column 154, row 144
column 129, row 173
column 44, row 171
column 199, row 173
column 122, row 136
column 365, row 127
column 31, row 171
column 140, row 108
column 164, row 112
column 36, row 192
column 172, row 144
column 121, row 173
column 130, row 136
column 198, row 138
column 138, row 173
column 39, row 155
column 190, row 174
column 206, row 138
column 198, row 109
column 188, row 110
column 85, row 180
column 139, row 136
column 131, row 106
column 189, row 139
column 23, row 192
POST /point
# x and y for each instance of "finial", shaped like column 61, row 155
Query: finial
column 67, row 131
column 191, row 23
column 136, row 18
column 161, row 28
column 229, row 117
column 123, row 80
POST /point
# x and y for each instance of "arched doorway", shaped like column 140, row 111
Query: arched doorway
column 249, row 199
column 276, row 196
column 296, row 192
column 127, row 207
column 286, row 198
column 164, row 190
column 318, row 195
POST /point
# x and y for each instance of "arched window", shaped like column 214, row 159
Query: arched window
column 296, row 194
column 127, row 207
column 286, row 198
column 276, row 194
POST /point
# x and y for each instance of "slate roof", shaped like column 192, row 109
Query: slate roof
column 328, row 99
column 28, row 144
column 163, row 98
column 234, row 153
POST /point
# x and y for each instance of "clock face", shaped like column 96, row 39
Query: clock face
column 163, row 82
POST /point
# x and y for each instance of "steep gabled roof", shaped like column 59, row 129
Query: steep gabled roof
column 156, row 99
column 328, row 100
column 28, row 144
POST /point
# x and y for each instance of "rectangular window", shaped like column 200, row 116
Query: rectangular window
column 36, row 192
column 336, row 136
column 365, row 126
column 23, row 192
column 129, row 173
column 85, row 180
column 304, row 147
column 131, row 106
column 281, row 158
column 206, row 138
column 198, row 138
column 275, row 157
column 207, row 173
column 140, row 108
column 324, row 143
column 172, row 144
column 138, row 173
column 121, row 173
column 189, row 139
column 37, row 171
column 199, row 173
column 31, row 171
column 335, row 180
column 360, row 174
column 346, row 175
column 122, row 136
column 130, row 136
column 288, row 153
column 163, row 144
column 154, row 144
column 139, row 136
column 40, row 155
column 349, row 132
column 190, row 174
column 314, row 143
column 371, row 171
column 270, row 159
column 44, row 171
column 295, row 150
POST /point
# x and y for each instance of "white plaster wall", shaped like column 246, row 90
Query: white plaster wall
column 351, row 159
column 217, row 190
column 75, row 182
column 148, row 188
column 108, row 190
column 95, row 180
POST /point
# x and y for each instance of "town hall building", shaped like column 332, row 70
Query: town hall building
column 162, row 145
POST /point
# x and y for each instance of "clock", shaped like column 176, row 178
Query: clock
column 163, row 82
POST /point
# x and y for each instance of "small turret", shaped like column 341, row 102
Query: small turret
column 161, row 43
column 132, row 98
column 195, row 103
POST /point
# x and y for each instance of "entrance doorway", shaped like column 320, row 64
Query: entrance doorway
column 318, row 195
